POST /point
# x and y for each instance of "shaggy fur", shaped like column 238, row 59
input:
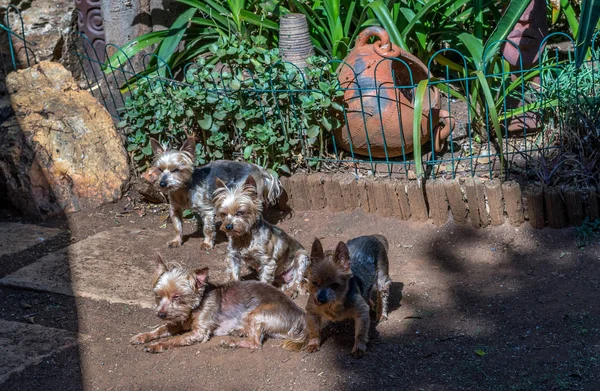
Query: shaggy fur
column 190, row 187
column 279, row 259
column 195, row 310
column 340, row 283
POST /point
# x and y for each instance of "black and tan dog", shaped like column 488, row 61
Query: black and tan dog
column 192, row 187
column 340, row 284
column 196, row 310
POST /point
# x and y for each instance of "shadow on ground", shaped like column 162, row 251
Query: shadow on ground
column 38, row 330
column 487, row 312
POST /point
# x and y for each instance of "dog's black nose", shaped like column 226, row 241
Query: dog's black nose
column 322, row 297
column 162, row 315
column 163, row 184
column 229, row 227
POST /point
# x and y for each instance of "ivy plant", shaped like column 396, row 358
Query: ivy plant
column 248, row 105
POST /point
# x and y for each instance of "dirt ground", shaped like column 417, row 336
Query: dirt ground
column 499, row 308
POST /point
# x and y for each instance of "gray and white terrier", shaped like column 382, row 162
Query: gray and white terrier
column 192, row 187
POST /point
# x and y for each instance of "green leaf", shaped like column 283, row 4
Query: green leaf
column 235, row 85
column 487, row 93
column 170, row 43
column 480, row 353
column 220, row 115
column 337, row 106
column 258, row 21
column 313, row 131
column 206, row 122
column 504, row 27
column 285, row 169
column 417, row 119
column 571, row 16
column 590, row 14
column 147, row 150
column 323, row 86
column 478, row 11
column 130, row 49
column 326, row 124
column 474, row 46
column 248, row 152
column 419, row 17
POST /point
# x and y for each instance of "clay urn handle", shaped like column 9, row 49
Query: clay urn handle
column 384, row 47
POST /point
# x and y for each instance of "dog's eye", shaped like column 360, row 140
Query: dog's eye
column 175, row 170
column 175, row 297
column 334, row 286
column 239, row 213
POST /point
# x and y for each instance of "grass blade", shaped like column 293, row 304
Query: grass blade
column 570, row 15
column 487, row 93
column 169, row 44
column 474, row 46
column 258, row 21
column 590, row 14
column 505, row 25
column 419, row 16
column 134, row 47
column 417, row 119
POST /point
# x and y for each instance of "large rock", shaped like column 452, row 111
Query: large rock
column 51, row 25
column 63, row 153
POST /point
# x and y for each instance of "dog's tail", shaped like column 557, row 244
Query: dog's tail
column 273, row 188
column 300, row 336
column 383, row 241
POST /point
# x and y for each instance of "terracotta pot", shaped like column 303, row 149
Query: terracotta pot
column 384, row 116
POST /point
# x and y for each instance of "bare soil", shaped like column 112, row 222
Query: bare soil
column 501, row 308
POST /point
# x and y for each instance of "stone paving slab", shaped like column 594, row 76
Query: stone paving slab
column 102, row 267
column 24, row 344
column 17, row 237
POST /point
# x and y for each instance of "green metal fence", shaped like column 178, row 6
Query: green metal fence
column 485, row 107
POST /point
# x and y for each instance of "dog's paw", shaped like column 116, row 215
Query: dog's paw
column 228, row 344
column 206, row 246
column 156, row 347
column 139, row 339
column 292, row 293
column 311, row 348
column 359, row 350
column 174, row 243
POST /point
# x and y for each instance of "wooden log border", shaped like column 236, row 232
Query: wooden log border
column 465, row 201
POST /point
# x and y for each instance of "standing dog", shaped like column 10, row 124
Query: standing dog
column 189, row 187
column 278, row 258
column 340, row 286
column 195, row 310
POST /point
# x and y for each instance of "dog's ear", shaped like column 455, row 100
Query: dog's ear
column 342, row 255
column 161, row 267
column 219, row 183
column 189, row 146
column 250, row 182
column 201, row 276
column 316, row 253
column 156, row 147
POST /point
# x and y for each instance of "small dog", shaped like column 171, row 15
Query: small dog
column 340, row 286
column 195, row 310
column 189, row 187
column 279, row 259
